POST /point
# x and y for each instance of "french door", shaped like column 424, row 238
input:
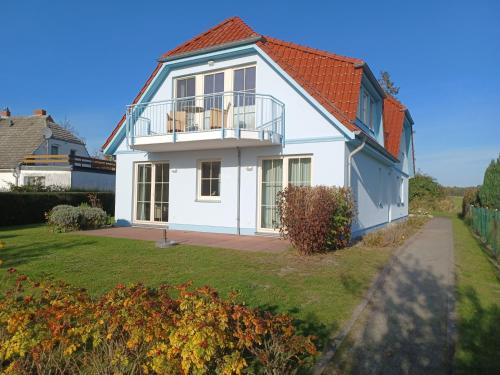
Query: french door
column 274, row 173
column 152, row 192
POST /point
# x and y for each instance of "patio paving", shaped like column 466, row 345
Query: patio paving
column 227, row 241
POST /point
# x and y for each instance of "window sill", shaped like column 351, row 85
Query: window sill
column 201, row 200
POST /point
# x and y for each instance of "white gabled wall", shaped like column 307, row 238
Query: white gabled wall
column 302, row 120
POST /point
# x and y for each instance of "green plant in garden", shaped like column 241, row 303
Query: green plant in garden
column 489, row 193
column 470, row 197
column 424, row 187
column 65, row 218
column 50, row 327
column 316, row 219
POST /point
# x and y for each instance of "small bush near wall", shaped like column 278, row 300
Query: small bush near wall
column 64, row 218
column 18, row 208
column 316, row 219
column 48, row 327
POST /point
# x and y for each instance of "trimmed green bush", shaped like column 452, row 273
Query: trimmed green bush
column 19, row 208
column 66, row 218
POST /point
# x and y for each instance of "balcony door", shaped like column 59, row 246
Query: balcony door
column 215, row 113
column 186, row 108
column 244, row 98
column 152, row 192
column 274, row 174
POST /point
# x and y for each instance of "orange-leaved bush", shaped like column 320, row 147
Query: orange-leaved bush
column 316, row 219
column 51, row 327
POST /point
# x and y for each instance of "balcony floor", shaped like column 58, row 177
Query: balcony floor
column 205, row 140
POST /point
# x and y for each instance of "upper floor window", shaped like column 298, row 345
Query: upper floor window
column 54, row 150
column 367, row 109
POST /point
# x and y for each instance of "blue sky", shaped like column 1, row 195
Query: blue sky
column 86, row 60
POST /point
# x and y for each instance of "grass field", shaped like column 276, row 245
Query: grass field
column 321, row 291
column 478, row 306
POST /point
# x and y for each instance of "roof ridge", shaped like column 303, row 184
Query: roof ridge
column 315, row 51
column 212, row 29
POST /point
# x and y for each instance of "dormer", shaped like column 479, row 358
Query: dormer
column 369, row 113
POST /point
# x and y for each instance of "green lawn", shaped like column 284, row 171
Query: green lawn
column 478, row 307
column 321, row 291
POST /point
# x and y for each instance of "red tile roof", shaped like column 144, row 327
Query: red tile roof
column 231, row 30
column 333, row 80
column 394, row 118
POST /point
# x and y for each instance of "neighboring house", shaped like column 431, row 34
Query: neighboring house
column 230, row 117
column 35, row 150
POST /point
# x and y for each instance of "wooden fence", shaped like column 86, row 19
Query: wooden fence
column 77, row 161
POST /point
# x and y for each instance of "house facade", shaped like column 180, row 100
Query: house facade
column 36, row 150
column 231, row 117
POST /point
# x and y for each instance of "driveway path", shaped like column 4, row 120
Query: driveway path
column 406, row 327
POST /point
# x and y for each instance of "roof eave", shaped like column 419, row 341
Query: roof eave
column 371, row 77
column 372, row 142
column 237, row 43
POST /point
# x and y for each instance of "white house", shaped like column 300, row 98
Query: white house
column 36, row 150
column 230, row 117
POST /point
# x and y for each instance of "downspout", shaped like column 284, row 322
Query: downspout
column 349, row 160
column 238, row 231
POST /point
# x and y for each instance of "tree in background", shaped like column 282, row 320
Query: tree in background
column 489, row 193
column 387, row 84
column 424, row 187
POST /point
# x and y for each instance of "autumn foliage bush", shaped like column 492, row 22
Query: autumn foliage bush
column 52, row 328
column 316, row 219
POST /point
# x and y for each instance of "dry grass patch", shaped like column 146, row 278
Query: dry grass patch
column 394, row 235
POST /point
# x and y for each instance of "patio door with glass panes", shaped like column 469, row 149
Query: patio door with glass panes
column 293, row 170
column 215, row 115
column 244, row 98
column 186, row 106
column 152, row 192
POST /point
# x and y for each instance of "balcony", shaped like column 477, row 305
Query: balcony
column 47, row 162
column 221, row 120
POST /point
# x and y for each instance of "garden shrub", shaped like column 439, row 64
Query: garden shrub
column 470, row 197
column 19, row 208
column 92, row 217
column 64, row 218
column 316, row 219
column 50, row 327
column 489, row 192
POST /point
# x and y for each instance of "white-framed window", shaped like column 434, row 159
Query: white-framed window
column 367, row 109
column 274, row 173
column 152, row 192
column 34, row 180
column 209, row 179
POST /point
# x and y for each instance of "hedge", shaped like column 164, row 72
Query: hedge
column 30, row 208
